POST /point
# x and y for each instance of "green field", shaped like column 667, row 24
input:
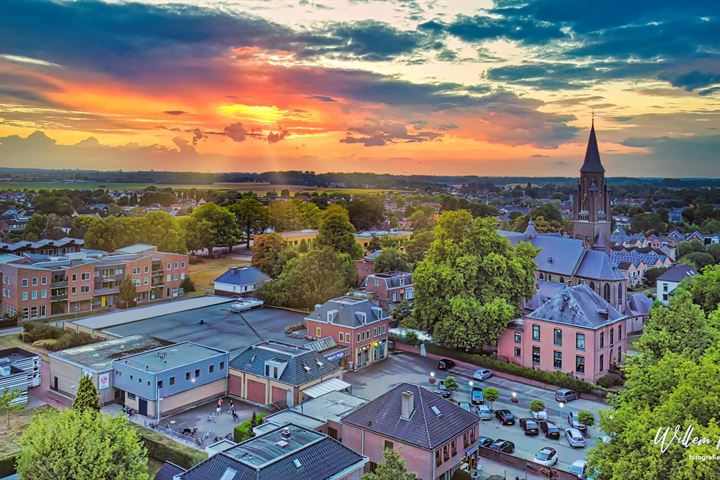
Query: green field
column 244, row 187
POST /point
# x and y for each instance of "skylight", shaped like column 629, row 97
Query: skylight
column 436, row 410
column 297, row 463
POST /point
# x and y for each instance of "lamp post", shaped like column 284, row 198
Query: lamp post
column 514, row 398
column 157, row 396
column 432, row 379
column 561, row 405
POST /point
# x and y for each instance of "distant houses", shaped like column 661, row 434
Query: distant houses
column 240, row 281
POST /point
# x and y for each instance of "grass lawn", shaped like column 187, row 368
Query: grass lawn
column 209, row 269
column 10, row 341
column 19, row 421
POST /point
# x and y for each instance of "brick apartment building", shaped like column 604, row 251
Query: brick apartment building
column 40, row 286
column 390, row 288
column 355, row 323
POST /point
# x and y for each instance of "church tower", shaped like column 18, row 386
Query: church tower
column 591, row 203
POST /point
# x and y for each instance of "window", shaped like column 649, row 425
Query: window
column 43, row 294
column 24, row 296
column 536, row 332
column 176, row 265
column 160, row 384
column 606, row 292
column 619, row 354
column 172, row 380
column 665, row 287
column 562, row 280
column 388, row 445
column 222, row 365
column 182, row 264
column 602, row 339
column 580, row 341
column 197, row 373
column 24, row 282
column 34, row 282
column 147, row 269
column 619, row 332
column 318, row 331
column 557, row 359
column 187, row 375
column 74, row 277
column 580, row 364
column 358, row 337
column 211, row 368
column 130, row 396
column 518, row 337
column 536, row 355
column 43, row 280
column 517, row 351
column 73, row 290
column 612, row 336
column 557, row 337
column 602, row 362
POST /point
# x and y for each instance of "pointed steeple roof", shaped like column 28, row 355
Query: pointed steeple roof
column 592, row 162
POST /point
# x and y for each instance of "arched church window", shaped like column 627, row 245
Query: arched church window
column 606, row 292
column 592, row 285
column 562, row 280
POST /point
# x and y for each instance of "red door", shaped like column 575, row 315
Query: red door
column 235, row 385
column 255, row 391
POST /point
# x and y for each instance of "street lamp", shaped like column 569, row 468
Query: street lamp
column 514, row 398
column 561, row 405
column 470, row 383
column 432, row 378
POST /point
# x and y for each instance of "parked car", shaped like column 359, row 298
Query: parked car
column 565, row 395
column 579, row 469
column 575, row 437
column 446, row 364
column 476, row 396
column 505, row 416
column 485, row 441
column 549, row 429
column 444, row 391
column 482, row 374
column 483, row 411
column 465, row 406
column 541, row 415
column 574, row 421
column 529, row 426
column 546, row 457
column 504, row 446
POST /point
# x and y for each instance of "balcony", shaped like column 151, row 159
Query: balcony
column 58, row 284
column 59, row 298
column 106, row 291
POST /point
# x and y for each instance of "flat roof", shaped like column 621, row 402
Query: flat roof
column 265, row 449
column 121, row 317
column 217, row 326
column 15, row 353
column 99, row 356
column 287, row 417
column 331, row 406
column 171, row 356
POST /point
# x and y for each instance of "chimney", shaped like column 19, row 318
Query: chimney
column 407, row 406
column 285, row 433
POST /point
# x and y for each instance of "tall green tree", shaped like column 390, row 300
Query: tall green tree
column 87, row 396
column 128, row 292
column 266, row 250
column 705, row 289
column 44, row 226
column 389, row 260
column 212, row 226
column 336, row 231
column 647, row 223
column 393, row 467
column 252, row 217
column 366, row 211
column 83, row 445
column 471, row 281
column 417, row 246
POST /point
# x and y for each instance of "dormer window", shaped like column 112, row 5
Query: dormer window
column 550, row 260
column 331, row 316
column 362, row 317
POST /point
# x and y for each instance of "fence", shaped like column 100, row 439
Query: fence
column 554, row 473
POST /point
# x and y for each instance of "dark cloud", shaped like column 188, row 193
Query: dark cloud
column 274, row 137
column 236, row 132
column 377, row 134
column 539, row 155
column 197, row 136
column 521, row 28
column 174, row 112
column 321, row 98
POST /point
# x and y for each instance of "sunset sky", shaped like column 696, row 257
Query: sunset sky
column 408, row 87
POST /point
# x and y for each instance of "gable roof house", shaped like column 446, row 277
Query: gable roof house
column 239, row 281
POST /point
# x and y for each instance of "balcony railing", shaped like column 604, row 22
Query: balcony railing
column 58, row 284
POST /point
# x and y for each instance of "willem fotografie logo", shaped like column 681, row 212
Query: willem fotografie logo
column 665, row 437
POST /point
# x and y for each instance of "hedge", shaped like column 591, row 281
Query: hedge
column 7, row 465
column 243, row 430
column 559, row 379
column 461, row 475
column 163, row 448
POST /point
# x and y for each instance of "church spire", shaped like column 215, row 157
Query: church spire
column 592, row 162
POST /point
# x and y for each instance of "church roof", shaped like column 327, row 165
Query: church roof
column 592, row 162
column 577, row 306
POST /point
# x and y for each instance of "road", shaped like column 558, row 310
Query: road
column 373, row 381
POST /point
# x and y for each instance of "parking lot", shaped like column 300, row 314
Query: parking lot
column 373, row 381
column 217, row 326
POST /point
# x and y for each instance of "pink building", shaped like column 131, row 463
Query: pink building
column 576, row 331
column 390, row 288
column 434, row 436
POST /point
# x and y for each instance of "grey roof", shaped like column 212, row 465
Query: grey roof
column 545, row 291
column 168, row 471
column 578, row 306
column 349, row 311
column 331, row 406
column 99, row 356
column 303, row 455
column 597, row 266
column 393, row 279
column 242, row 276
column 12, row 246
column 639, row 304
column 678, row 273
column 170, row 356
column 560, row 255
column 136, row 248
column 592, row 163
column 302, row 365
column 424, row 428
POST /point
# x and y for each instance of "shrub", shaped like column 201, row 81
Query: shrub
column 243, row 431
column 411, row 338
column 47, row 344
column 537, row 406
column 588, row 418
column 610, row 380
column 188, row 285
column 559, row 379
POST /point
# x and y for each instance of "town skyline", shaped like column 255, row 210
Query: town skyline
column 467, row 88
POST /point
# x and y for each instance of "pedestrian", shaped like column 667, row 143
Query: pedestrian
column 231, row 407
column 235, row 416
column 218, row 410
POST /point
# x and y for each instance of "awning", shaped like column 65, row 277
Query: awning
column 332, row 385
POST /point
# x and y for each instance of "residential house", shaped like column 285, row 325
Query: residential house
column 240, row 281
column 577, row 332
column 366, row 265
column 669, row 281
column 390, row 288
column 276, row 373
column 356, row 323
column 433, row 435
column 288, row 453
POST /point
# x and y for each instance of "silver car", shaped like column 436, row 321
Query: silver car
column 483, row 411
column 574, row 421
column 575, row 438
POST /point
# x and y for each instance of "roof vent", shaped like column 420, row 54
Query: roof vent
column 282, row 443
column 550, row 260
column 285, row 433
column 297, row 463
